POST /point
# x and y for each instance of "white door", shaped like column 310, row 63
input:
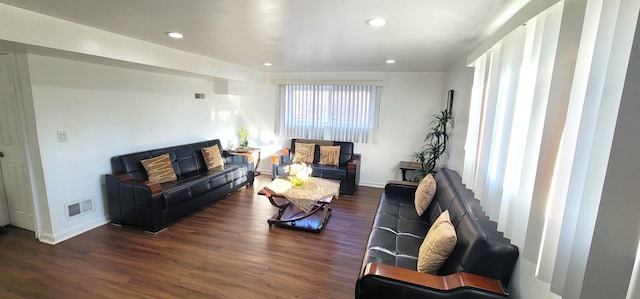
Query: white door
column 13, row 154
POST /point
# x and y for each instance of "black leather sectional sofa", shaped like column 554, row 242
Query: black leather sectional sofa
column 480, row 266
column 132, row 200
column 347, row 171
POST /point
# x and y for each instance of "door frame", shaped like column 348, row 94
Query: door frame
column 20, row 69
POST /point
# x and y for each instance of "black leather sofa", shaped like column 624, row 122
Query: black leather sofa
column 347, row 171
column 480, row 266
column 132, row 200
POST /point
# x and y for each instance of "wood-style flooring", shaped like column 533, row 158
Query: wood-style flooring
column 225, row 250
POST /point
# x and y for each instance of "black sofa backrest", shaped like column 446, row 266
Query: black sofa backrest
column 480, row 249
column 346, row 150
column 186, row 160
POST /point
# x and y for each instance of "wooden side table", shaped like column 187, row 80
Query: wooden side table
column 406, row 165
column 247, row 151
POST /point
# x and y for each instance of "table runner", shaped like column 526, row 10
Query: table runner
column 308, row 194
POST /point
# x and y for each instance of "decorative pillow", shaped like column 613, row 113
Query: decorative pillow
column 304, row 153
column 424, row 193
column 159, row 169
column 329, row 155
column 212, row 157
column 438, row 244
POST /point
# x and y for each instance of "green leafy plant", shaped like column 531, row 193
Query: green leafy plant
column 435, row 143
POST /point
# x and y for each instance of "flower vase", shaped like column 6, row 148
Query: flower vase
column 296, row 181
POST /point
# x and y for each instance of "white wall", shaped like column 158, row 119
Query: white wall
column 407, row 102
column 108, row 111
column 460, row 79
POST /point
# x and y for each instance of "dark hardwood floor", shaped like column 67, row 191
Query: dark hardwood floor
column 225, row 250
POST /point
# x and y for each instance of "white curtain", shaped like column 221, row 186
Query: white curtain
column 506, row 124
column 332, row 112
column 540, row 132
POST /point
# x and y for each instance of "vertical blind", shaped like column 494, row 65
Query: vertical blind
column 505, row 156
column 540, row 130
column 335, row 112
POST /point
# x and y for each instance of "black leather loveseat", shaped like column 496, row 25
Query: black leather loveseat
column 347, row 171
column 133, row 200
column 480, row 265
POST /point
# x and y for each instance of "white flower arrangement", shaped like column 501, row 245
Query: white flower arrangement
column 298, row 173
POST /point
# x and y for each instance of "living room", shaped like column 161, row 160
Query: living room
column 116, row 94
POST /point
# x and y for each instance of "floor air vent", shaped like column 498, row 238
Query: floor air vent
column 75, row 209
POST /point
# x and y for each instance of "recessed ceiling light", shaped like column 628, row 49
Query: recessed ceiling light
column 375, row 22
column 175, row 34
column 390, row 61
column 267, row 64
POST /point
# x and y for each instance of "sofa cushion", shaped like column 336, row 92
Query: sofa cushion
column 328, row 172
column 329, row 155
column 397, row 233
column 212, row 157
column 424, row 194
column 159, row 169
column 437, row 245
column 304, row 153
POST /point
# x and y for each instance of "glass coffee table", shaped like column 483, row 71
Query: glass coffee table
column 306, row 207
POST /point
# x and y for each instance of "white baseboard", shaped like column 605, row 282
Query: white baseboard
column 372, row 184
column 73, row 231
column 46, row 238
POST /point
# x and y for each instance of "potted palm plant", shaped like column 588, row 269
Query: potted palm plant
column 435, row 142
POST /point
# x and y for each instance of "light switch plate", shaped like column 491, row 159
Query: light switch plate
column 62, row 136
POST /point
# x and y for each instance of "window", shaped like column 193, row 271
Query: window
column 332, row 112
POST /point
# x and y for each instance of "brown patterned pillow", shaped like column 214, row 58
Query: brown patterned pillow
column 424, row 194
column 329, row 155
column 304, row 153
column 438, row 244
column 212, row 157
column 159, row 169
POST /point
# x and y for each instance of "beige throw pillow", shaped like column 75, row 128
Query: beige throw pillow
column 424, row 194
column 304, row 153
column 438, row 244
column 212, row 157
column 329, row 155
column 159, row 169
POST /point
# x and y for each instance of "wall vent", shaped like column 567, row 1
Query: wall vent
column 75, row 209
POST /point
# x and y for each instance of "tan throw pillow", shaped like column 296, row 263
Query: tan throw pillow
column 424, row 194
column 212, row 157
column 304, row 153
column 329, row 155
column 159, row 169
column 438, row 244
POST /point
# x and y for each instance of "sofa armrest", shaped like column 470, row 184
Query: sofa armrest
column 281, row 157
column 135, row 202
column 154, row 187
column 401, row 188
column 457, row 282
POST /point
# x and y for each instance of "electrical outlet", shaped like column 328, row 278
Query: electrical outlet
column 62, row 136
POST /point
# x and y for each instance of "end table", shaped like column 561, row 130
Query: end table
column 247, row 151
column 406, row 165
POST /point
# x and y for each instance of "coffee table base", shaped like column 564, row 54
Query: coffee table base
column 290, row 216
